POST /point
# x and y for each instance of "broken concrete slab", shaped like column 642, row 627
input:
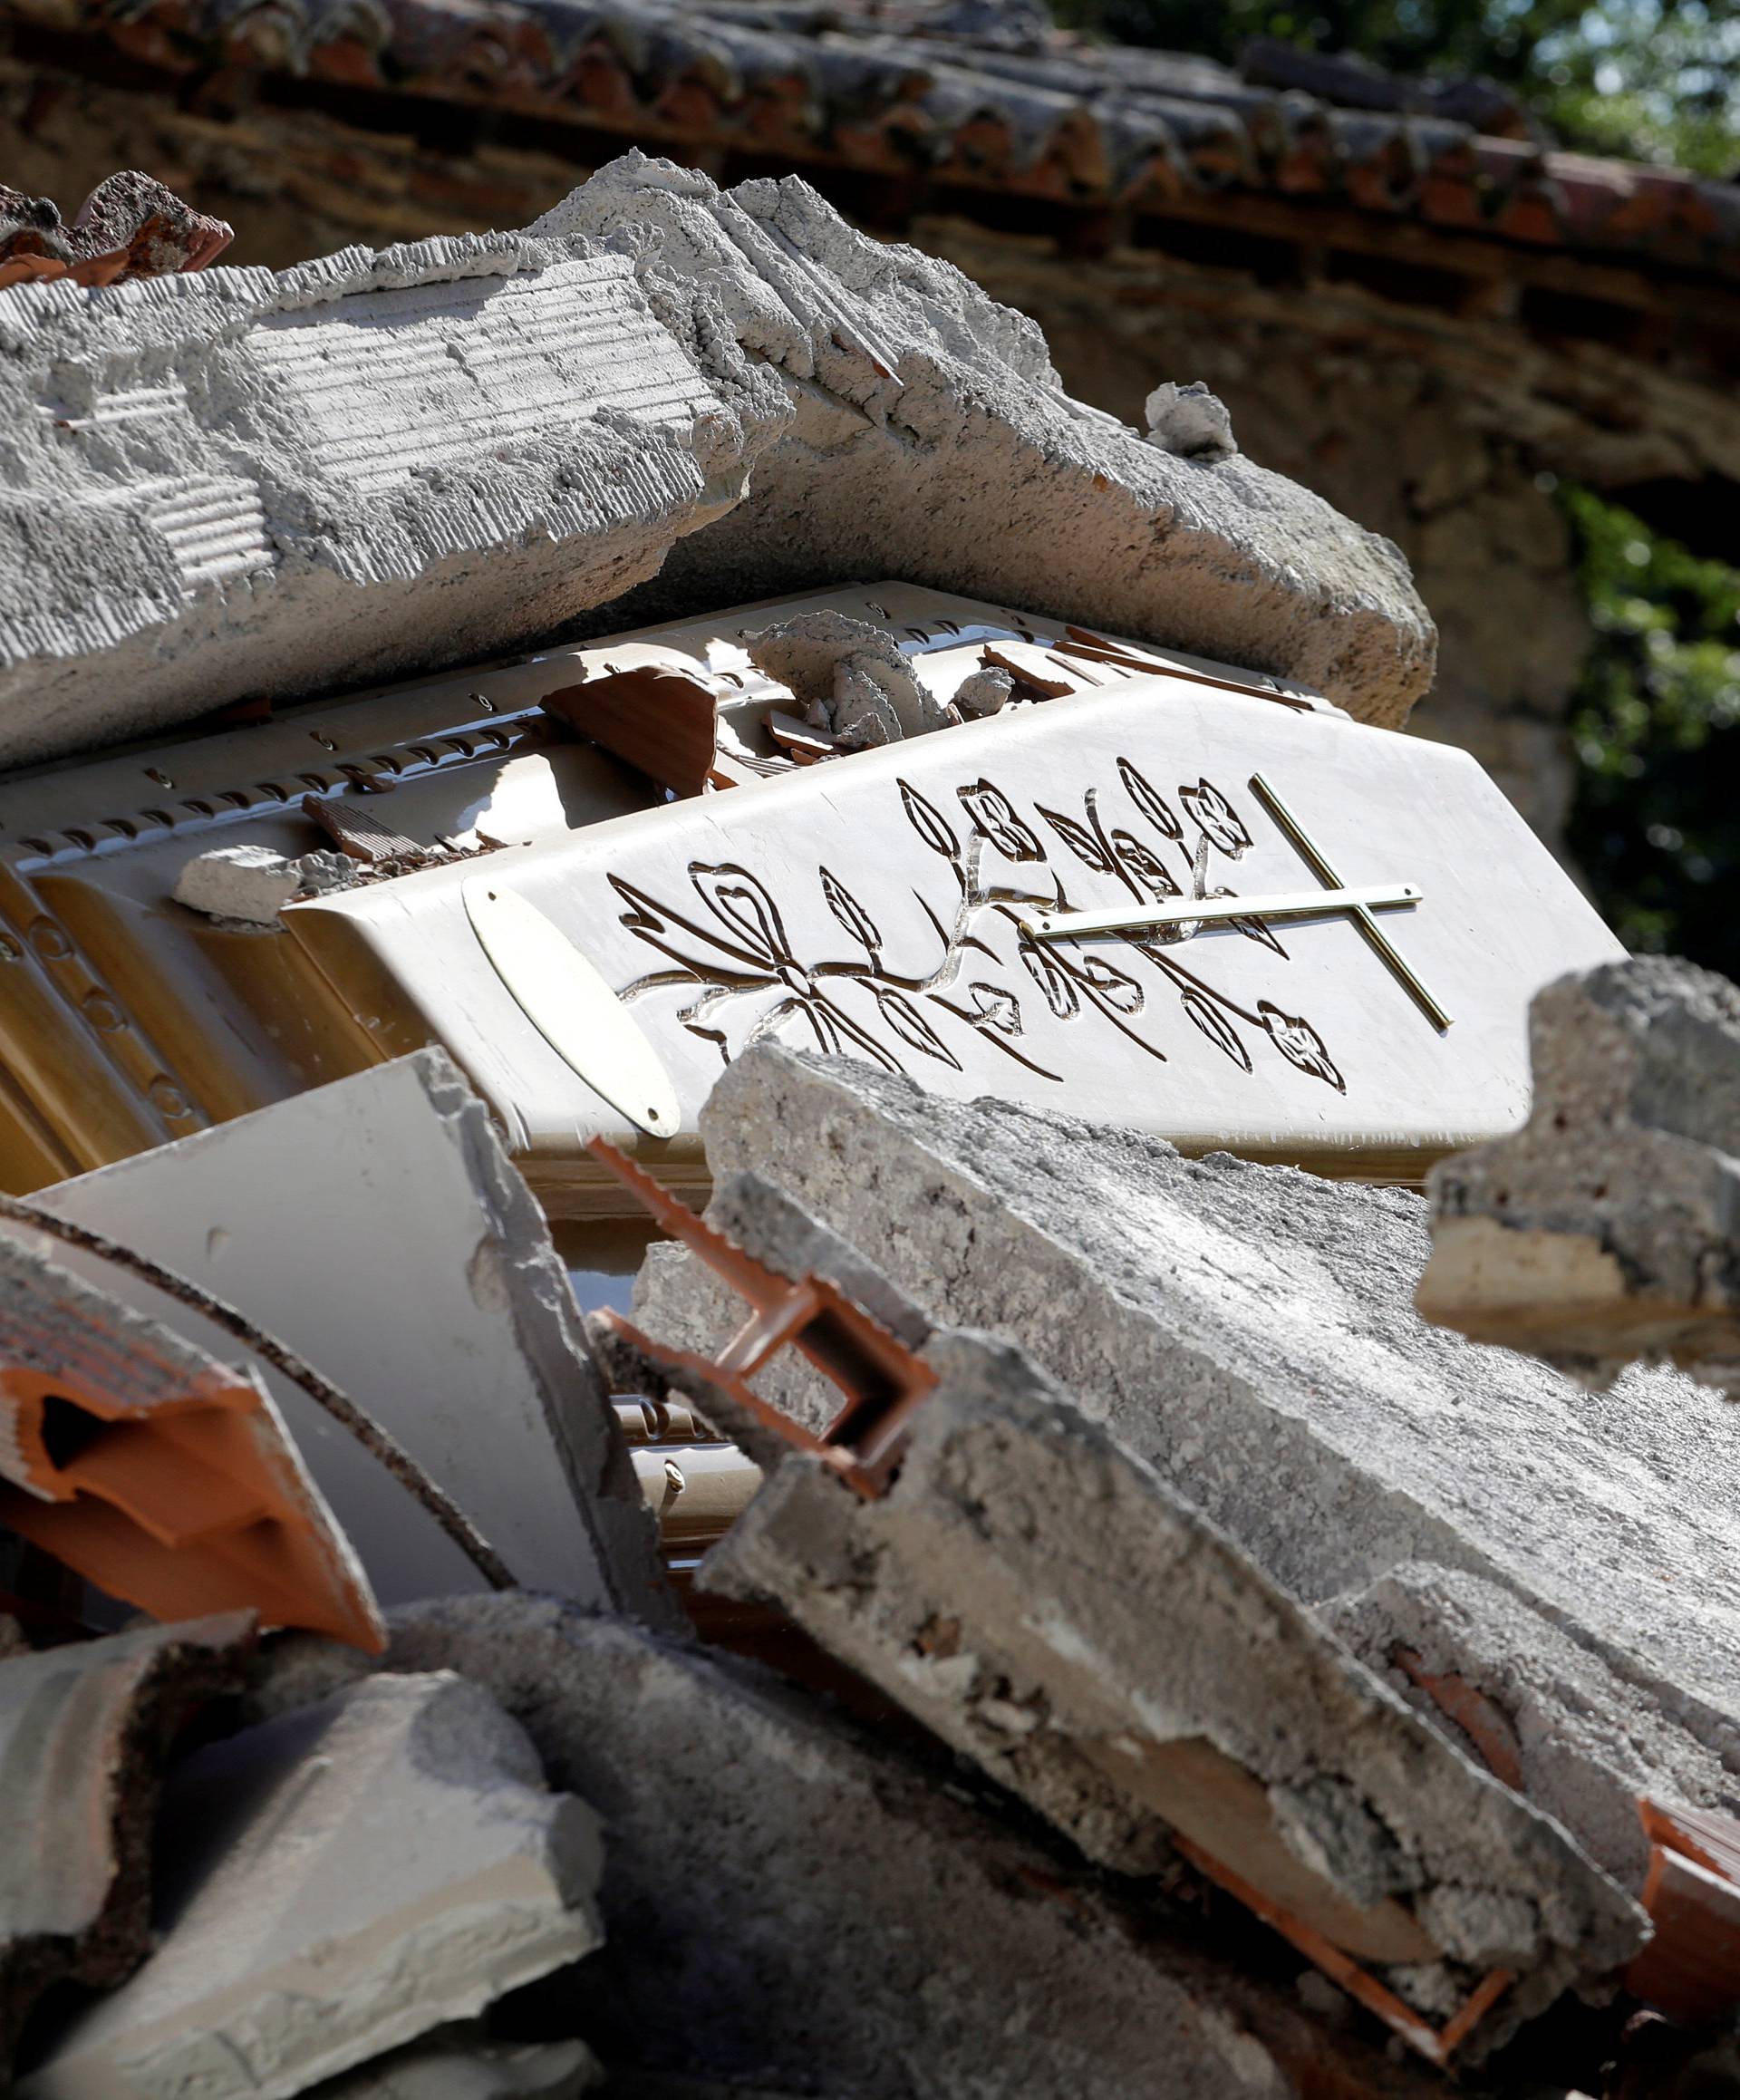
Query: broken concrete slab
column 332, row 1884
column 1573, row 1734
column 377, row 1227
column 1042, row 1601
column 1247, row 1331
column 461, row 2062
column 84, row 1730
column 929, row 438
column 243, row 481
column 832, row 1920
column 1608, row 1229
column 162, row 1476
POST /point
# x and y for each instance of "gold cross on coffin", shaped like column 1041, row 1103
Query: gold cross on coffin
column 1360, row 903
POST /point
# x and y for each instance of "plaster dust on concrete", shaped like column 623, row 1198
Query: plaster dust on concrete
column 929, row 438
column 1248, row 1332
column 305, row 1922
column 246, row 482
column 1587, row 1746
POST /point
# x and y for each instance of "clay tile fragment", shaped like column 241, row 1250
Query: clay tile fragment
column 132, row 227
column 155, row 1472
column 83, row 1731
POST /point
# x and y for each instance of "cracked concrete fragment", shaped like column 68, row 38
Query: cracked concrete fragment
column 929, row 438
column 1608, row 1229
column 828, row 1919
column 333, row 474
column 378, row 1226
column 1247, row 1331
column 84, row 1732
column 847, row 673
column 336, row 1883
column 1588, row 1744
column 1190, row 421
column 250, row 883
column 1049, row 1607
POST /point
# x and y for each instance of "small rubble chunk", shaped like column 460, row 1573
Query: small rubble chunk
column 1586, row 1745
column 1190, row 422
column 983, row 693
column 1608, row 1229
column 153, row 1470
column 84, row 1729
column 252, row 884
column 850, row 676
column 378, row 1226
column 1247, row 1331
column 460, row 2063
column 335, row 1884
column 756, row 1837
column 657, row 717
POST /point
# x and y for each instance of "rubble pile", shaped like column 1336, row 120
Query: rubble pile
column 605, row 1482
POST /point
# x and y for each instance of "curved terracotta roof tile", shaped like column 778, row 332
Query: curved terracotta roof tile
column 129, row 226
column 986, row 96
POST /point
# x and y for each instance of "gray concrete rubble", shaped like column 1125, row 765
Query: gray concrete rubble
column 242, row 481
column 1189, row 420
column 335, row 1884
column 377, row 1227
column 1557, row 1722
column 790, row 1905
column 1608, row 1229
column 461, row 2062
column 370, row 464
column 851, row 677
column 252, row 884
column 84, row 1730
column 1190, row 1696
column 1248, row 1330
column 929, row 438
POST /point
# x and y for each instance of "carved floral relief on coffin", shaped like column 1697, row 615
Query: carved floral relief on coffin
column 883, row 906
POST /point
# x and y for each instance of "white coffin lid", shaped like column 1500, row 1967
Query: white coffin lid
column 844, row 923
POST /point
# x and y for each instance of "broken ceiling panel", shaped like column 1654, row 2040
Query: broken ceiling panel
column 1248, row 1330
column 377, row 1227
column 928, row 434
column 1189, row 1697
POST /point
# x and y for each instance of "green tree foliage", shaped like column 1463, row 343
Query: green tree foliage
column 1657, row 724
column 1652, row 79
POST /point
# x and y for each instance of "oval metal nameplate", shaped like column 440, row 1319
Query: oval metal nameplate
column 572, row 1006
